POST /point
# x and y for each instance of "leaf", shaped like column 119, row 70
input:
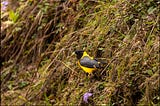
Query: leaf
column 10, row 86
column 18, row 29
column 100, row 48
column 131, row 73
column 149, row 72
column 151, row 10
column 23, row 84
column 8, row 22
column 13, row 16
column 23, row 98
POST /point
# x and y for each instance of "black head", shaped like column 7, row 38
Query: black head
column 79, row 53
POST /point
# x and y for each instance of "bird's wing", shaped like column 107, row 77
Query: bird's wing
column 90, row 63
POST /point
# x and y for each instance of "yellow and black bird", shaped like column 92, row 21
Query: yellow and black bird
column 86, row 62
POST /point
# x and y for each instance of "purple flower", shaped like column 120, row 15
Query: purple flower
column 4, row 5
column 86, row 96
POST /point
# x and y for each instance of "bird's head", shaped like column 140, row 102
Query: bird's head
column 79, row 53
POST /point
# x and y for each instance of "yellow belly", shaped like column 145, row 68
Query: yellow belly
column 87, row 70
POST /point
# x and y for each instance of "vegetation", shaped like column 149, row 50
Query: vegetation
column 38, row 38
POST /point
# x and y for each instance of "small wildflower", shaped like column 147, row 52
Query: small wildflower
column 86, row 96
column 4, row 5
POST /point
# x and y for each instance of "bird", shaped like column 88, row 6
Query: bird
column 86, row 62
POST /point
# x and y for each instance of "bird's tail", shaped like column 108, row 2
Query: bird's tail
column 102, row 63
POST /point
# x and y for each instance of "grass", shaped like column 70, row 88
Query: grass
column 38, row 67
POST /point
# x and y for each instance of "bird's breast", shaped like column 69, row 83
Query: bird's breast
column 86, row 69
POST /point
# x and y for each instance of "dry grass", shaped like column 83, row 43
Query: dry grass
column 38, row 67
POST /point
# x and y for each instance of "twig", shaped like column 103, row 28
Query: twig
column 67, row 66
column 53, row 60
column 107, row 65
